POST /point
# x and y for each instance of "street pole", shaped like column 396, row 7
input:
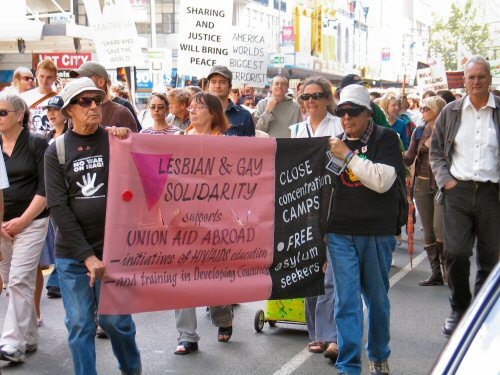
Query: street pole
column 153, row 23
column 280, row 31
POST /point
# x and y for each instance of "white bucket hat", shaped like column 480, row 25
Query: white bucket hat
column 76, row 87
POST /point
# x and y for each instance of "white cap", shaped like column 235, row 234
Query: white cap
column 355, row 94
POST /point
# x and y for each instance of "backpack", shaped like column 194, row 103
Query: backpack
column 61, row 154
column 402, row 218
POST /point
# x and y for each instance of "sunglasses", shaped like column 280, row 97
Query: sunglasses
column 157, row 106
column 28, row 78
column 86, row 102
column 315, row 96
column 5, row 113
column 352, row 112
column 424, row 109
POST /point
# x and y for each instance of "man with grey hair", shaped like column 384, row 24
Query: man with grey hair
column 464, row 157
column 116, row 111
column 76, row 170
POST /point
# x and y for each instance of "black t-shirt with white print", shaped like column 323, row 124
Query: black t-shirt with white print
column 76, row 197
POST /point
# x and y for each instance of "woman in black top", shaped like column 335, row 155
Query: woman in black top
column 24, row 227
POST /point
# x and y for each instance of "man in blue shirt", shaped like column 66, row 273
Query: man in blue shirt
column 219, row 84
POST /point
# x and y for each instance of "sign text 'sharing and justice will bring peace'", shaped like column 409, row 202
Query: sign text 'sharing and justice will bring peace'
column 205, row 221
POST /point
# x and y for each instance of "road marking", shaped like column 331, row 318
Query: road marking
column 406, row 269
column 299, row 359
column 293, row 364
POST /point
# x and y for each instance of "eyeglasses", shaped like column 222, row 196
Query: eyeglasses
column 196, row 108
column 5, row 113
column 315, row 96
column 157, row 106
column 28, row 78
column 352, row 112
column 86, row 102
column 424, row 109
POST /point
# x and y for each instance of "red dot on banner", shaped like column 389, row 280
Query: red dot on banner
column 127, row 195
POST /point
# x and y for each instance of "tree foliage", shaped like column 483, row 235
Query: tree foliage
column 460, row 26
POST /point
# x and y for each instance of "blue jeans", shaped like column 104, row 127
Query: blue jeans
column 361, row 265
column 81, row 302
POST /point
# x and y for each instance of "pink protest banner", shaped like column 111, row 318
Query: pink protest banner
column 190, row 222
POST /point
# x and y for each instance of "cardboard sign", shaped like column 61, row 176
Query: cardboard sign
column 63, row 61
column 204, row 36
column 248, row 57
column 114, row 33
column 432, row 78
column 206, row 221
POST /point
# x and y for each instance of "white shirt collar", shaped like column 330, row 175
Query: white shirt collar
column 490, row 103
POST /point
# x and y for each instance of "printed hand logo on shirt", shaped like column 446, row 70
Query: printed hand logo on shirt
column 88, row 188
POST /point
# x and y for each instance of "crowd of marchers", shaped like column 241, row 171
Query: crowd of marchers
column 438, row 150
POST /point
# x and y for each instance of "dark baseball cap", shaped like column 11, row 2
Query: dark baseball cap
column 56, row 102
column 88, row 69
column 222, row 70
column 351, row 79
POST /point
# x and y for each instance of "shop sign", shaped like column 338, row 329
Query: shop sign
column 63, row 60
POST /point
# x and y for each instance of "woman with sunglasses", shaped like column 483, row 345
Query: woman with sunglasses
column 317, row 99
column 24, row 227
column 425, row 190
column 158, row 107
column 207, row 118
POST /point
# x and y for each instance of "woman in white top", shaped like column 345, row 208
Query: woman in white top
column 318, row 101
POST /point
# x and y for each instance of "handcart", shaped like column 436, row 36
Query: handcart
column 290, row 311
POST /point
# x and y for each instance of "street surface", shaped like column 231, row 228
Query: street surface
column 416, row 319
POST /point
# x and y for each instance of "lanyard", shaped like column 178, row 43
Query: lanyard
column 308, row 131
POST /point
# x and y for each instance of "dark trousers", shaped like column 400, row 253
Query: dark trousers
column 471, row 211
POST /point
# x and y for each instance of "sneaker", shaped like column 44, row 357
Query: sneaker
column 53, row 292
column 101, row 333
column 12, row 354
column 30, row 348
column 379, row 368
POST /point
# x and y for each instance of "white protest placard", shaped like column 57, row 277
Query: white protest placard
column 204, row 36
column 114, row 33
column 248, row 57
column 432, row 78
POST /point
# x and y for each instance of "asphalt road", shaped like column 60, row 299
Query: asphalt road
column 417, row 315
